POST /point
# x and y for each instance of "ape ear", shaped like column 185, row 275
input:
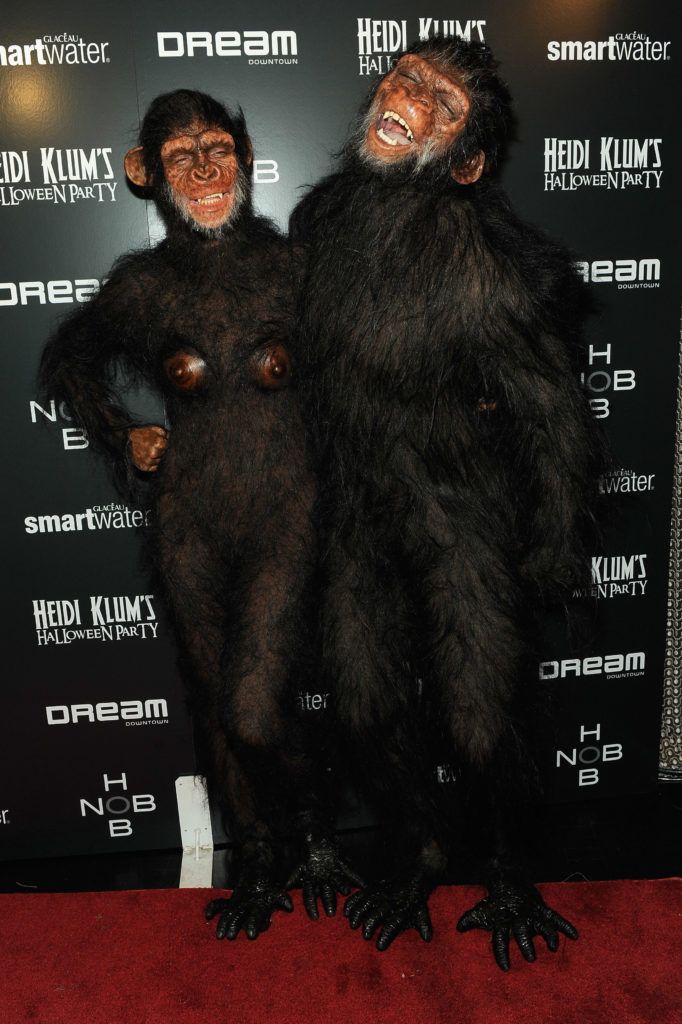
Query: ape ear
column 135, row 169
column 249, row 151
column 471, row 171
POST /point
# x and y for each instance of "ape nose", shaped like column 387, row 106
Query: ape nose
column 419, row 95
column 204, row 170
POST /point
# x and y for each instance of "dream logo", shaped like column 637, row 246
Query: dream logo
column 151, row 711
column 22, row 293
column 645, row 273
column 280, row 47
column 613, row 666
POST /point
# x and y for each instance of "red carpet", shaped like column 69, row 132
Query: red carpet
column 149, row 958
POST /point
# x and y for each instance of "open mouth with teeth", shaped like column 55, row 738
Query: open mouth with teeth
column 213, row 200
column 393, row 129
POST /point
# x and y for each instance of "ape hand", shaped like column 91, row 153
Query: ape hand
column 520, row 911
column 250, row 907
column 147, row 445
column 396, row 904
column 321, row 875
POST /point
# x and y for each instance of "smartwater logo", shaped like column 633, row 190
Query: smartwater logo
column 99, row 517
column 634, row 46
column 626, row 481
column 64, row 48
column 312, row 701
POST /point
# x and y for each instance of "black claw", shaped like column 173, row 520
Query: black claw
column 388, row 933
column 394, row 906
column 424, row 926
column 249, row 909
column 322, row 875
column 561, row 924
column 501, row 948
column 521, row 909
column 310, row 902
column 524, row 940
column 467, row 921
column 286, row 904
column 328, row 897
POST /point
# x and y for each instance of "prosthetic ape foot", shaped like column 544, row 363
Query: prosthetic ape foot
column 393, row 905
column 250, row 908
column 322, row 874
column 519, row 911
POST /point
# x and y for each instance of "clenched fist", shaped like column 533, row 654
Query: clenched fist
column 147, row 445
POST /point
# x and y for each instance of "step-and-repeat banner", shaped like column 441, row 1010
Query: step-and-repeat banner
column 93, row 729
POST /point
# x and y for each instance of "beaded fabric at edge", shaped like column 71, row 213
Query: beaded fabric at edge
column 670, row 766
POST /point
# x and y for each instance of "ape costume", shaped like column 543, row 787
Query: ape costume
column 457, row 460
column 206, row 318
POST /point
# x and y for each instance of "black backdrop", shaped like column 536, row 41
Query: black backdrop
column 93, row 729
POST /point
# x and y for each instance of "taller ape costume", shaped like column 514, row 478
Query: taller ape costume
column 206, row 317
column 457, row 461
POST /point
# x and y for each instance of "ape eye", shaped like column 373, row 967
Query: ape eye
column 185, row 370
column 448, row 109
column 412, row 78
column 272, row 367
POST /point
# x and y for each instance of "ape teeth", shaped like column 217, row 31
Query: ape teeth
column 214, row 197
column 390, row 115
column 386, row 138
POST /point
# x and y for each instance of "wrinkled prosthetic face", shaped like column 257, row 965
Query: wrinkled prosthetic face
column 203, row 178
column 415, row 119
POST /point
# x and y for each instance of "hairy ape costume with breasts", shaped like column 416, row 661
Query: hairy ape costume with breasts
column 457, row 461
column 206, row 318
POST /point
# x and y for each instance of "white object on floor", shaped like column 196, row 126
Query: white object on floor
column 196, row 833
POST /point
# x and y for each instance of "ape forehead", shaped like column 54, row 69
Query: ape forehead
column 196, row 136
column 437, row 75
